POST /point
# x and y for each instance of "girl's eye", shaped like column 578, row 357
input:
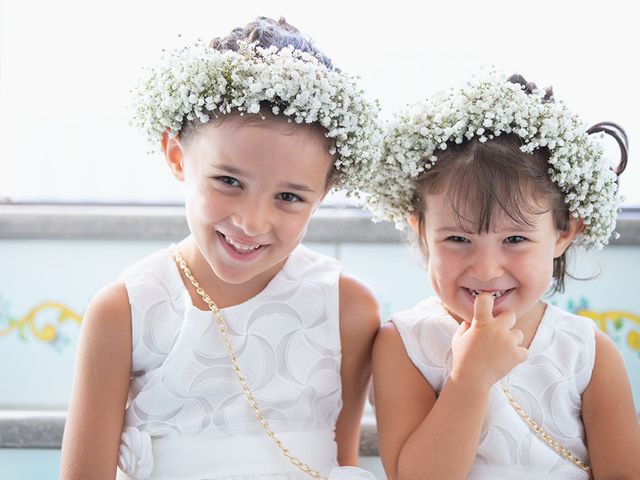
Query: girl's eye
column 228, row 181
column 515, row 239
column 289, row 197
column 457, row 239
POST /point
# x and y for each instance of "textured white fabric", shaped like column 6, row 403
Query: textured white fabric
column 548, row 385
column 187, row 416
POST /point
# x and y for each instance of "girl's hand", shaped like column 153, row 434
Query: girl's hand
column 488, row 348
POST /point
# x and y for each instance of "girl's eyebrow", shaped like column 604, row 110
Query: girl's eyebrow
column 229, row 169
column 516, row 227
column 504, row 229
column 298, row 186
column 449, row 229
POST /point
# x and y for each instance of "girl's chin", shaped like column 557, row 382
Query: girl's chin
column 459, row 315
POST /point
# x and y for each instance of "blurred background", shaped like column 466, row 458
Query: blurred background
column 81, row 197
column 67, row 67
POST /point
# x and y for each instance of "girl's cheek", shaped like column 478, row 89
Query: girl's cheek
column 295, row 225
column 437, row 268
column 440, row 258
column 205, row 204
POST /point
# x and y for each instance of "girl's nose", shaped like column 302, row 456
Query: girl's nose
column 253, row 218
column 485, row 265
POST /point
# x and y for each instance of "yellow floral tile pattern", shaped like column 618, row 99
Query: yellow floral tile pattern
column 42, row 322
column 609, row 321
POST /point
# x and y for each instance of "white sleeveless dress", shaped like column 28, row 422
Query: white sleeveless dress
column 548, row 385
column 187, row 417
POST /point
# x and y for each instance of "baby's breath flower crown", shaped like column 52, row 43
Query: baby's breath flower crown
column 196, row 83
column 486, row 108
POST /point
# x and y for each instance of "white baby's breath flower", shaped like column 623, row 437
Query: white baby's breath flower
column 487, row 108
column 199, row 82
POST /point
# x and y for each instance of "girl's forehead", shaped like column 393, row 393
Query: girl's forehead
column 274, row 151
column 441, row 212
column 234, row 130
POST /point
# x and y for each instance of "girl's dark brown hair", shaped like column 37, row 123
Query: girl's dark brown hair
column 496, row 177
column 266, row 33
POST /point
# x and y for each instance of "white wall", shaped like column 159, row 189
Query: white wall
column 66, row 68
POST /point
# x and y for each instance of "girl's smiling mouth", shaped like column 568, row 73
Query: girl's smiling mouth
column 241, row 250
column 494, row 293
column 499, row 296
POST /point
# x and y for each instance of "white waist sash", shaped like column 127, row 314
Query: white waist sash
column 566, row 471
column 208, row 456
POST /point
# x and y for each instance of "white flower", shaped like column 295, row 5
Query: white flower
column 135, row 457
column 194, row 82
column 487, row 108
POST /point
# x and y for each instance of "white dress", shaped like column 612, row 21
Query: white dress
column 187, row 417
column 548, row 385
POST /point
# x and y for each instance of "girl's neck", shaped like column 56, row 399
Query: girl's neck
column 224, row 294
column 530, row 322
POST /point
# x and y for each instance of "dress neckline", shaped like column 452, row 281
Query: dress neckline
column 184, row 290
column 538, row 336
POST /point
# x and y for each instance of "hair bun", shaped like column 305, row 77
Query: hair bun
column 267, row 32
column 620, row 136
column 530, row 87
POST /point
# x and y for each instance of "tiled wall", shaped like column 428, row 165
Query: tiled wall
column 46, row 284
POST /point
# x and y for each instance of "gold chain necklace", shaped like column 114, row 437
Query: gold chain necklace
column 537, row 429
column 544, row 436
column 236, row 368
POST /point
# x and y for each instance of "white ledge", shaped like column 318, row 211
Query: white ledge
column 44, row 429
column 162, row 222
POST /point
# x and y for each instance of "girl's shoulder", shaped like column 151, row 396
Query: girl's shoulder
column 559, row 323
column 158, row 304
column 426, row 314
column 425, row 326
column 304, row 262
column 153, row 279
column 155, row 264
column 357, row 304
column 109, row 307
column 426, row 331
column 565, row 343
column 359, row 312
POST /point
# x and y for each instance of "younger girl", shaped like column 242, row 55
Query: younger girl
column 485, row 380
column 237, row 353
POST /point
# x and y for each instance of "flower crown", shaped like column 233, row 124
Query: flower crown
column 198, row 82
column 486, row 108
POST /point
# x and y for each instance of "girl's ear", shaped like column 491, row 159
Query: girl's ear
column 412, row 220
column 174, row 154
column 576, row 226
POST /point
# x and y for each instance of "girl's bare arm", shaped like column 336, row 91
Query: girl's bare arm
column 419, row 437
column 359, row 323
column 96, row 411
column 610, row 418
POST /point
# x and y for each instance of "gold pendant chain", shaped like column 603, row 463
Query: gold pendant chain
column 544, row 436
column 236, row 367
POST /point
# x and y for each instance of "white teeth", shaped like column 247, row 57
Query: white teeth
column 498, row 294
column 239, row 246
